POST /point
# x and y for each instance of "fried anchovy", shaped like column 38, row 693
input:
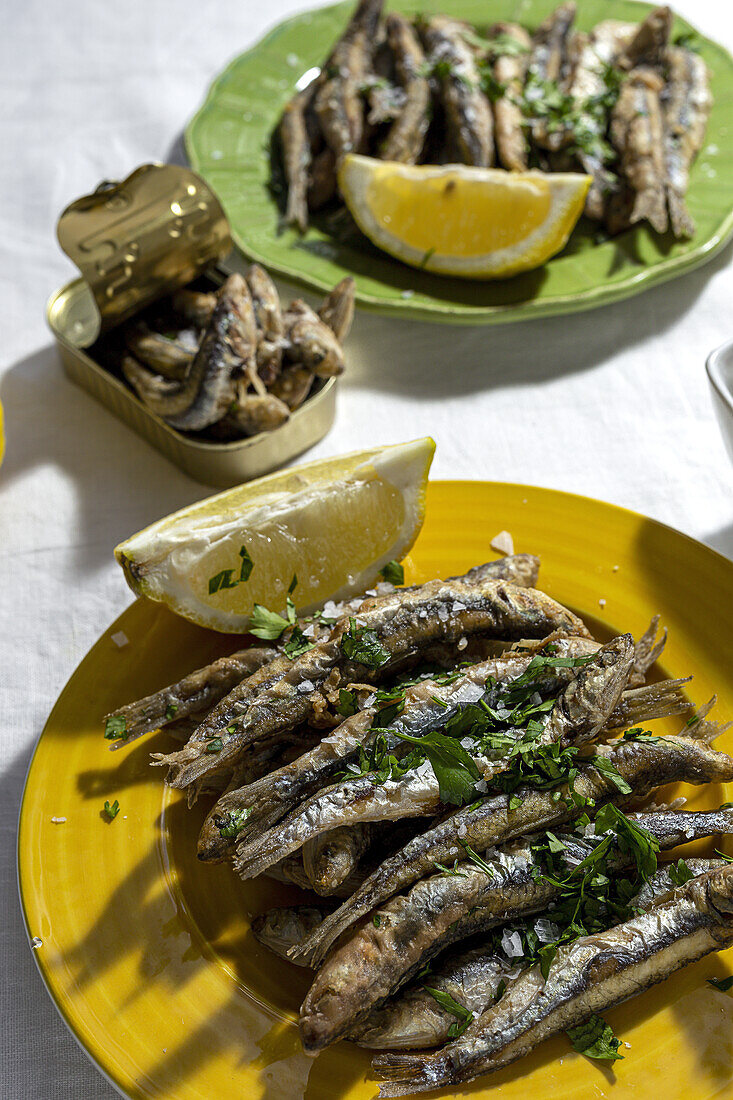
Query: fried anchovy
column 426, row 705
column 548, row 63
column 468, row 115
column 338, row 103
column 310, row 342
column 198, row 691
column 251, row 413
column 284, row 693
column 169, row 356
column 643, row 765
column 474, row 979
column 687, row 103
column 293, row 385
column 278, row 929
column 331, row 858
column 579, row 713
column 508, row 72
column 337, row 310
column 406, row 933
column 638, row 135
column 588, row 976
column 194, row 306
column 405, row 140
column 266, row 303
column 296, row 156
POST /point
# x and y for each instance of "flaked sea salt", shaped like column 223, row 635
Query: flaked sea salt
column 305, row 686
column 58, row 820
column 511, row 943
column 547, row 932
column 458, row 606
column 120, row 639
column 462, row 643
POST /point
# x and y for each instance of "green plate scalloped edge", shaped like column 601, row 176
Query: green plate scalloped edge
column 227, row 143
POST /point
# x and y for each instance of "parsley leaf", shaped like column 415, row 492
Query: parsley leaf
column 595, row 1039
column 113, row 810
column 474, row 857
column 347, row 704
column 680, row 873
column 247, row 564
column 221, row 580
column 170, row 711
column 233, row 823
column 115, row 728
column 393, row 573
column 363, row 646
column 297, row 644
column 215, row 745
column 454, row 769
column 266, row 624
column 463, row 1015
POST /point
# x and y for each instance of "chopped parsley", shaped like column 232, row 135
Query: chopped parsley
column 347, row 704
column 269, row 625
column 474, row 857
column 363, row 646
column 115, row 728
column 454, row 769
column 247, row 565
column 170, row 711
column 595, row 1039
column 215, row 745
column 113, row 810
column 393, row 573
column 376, row 920
column 463, row 1015
column 222, row 580
column 680, row 873
column 297, row 643
column 233, row 823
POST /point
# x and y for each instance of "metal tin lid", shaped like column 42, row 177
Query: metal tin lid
column 138, row 240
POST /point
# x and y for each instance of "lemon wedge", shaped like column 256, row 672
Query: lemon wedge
column 333, row 524
column 478, row 223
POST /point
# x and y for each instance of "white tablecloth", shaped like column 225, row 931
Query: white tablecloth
column 611, row 403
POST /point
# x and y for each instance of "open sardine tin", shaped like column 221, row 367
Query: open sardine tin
column 135, row 242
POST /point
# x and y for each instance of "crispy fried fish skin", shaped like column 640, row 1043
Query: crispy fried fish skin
column 405, row 140
column 331, row 858
column 270, row 798
column 548, row 62
column 580, row 711
column 337, row 310
column 586, row 977
column 338, row 104
column 296, row 156
column 293, row 385
column 649, row 43
column 198, row 691
column 468, row 117
column 687, row 103
column 322, row 182
column 275, row 700
column 637, row 132
column 411, row 929
column 644, row 766
column 310, row 342
column 251, row 413
column 508, row 71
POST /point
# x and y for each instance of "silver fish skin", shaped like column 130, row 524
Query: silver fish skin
column 468, row 116
column 296, row 157
column 579, row 713
column 268, row 315
column 508, row 71
column 637, row 132
column 284, row 693
column 333, row 857
column 406, row 137
column 270, row 798
column 586, row 977
column 520, row 569
column 644, row 766
column 407, row 932
column 338, row 103
column 548, row 62
column 475, row 979
column 687, row 102
column 197, row 692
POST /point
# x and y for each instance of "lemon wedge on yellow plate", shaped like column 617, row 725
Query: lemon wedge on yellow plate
column 479, row 223
column 334, row 524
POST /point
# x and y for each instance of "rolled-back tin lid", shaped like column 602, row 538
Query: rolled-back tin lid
column 140, row 239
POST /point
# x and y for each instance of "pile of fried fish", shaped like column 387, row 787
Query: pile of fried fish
column 233, row 362
column 464, row 780
column 623, row 103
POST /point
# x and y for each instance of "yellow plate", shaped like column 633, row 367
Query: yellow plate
column 148, row 954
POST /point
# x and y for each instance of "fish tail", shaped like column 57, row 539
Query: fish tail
column 404, row 1074
column 650, row 206
column 313, row 949
column 646, row 651
column 679, row 215
column 700, row 729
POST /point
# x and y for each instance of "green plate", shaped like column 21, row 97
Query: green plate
column 228, row 143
